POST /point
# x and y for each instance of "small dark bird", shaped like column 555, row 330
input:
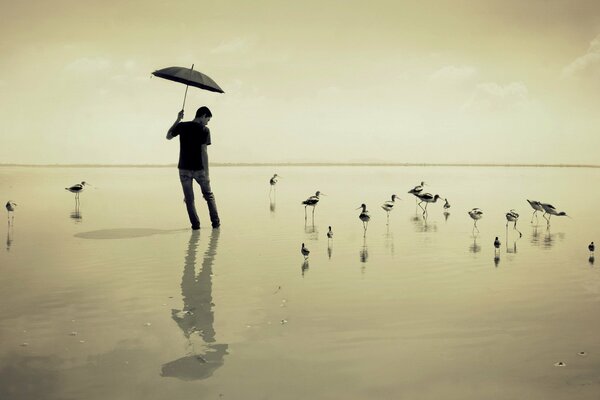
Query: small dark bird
column 305, row 252
column 497, row 243
column 330, row 233
column 591, row 247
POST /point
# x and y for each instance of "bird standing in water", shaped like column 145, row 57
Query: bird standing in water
column 330, row 233
column 77, row 188
column 512, row 216
column 416, row 190
column 364, row 216
column 312, row 201
column 427, row 198
column 10, row 207
column 496, row 244
column 273, row 181
column 537, row 206
column 446, row 204
column 476, row 215
column 389, row 205
column 591, row 248
column 305, row 252
column 550, row 209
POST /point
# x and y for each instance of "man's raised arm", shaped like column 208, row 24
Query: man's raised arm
column 172, row 128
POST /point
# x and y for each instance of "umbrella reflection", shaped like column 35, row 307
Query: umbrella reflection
column 196, row 319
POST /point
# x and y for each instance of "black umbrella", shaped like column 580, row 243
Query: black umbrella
column 189, row 77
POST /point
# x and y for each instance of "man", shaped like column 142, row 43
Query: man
column 194, row 136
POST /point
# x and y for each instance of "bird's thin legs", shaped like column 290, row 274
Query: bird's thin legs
column 515, row 228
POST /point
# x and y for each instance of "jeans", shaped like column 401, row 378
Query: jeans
column 187, row 178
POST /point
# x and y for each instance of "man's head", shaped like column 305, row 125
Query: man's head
column 203, row 115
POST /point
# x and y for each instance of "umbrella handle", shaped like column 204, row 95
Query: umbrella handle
column 186, row 89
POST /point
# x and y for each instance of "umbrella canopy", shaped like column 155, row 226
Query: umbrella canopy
column 188, row 76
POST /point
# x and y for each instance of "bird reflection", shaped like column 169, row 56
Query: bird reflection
column 329, row 249
column 535, row 236
column 550, row 238
column 75, row 215
column 364, row 252
column 272, row 205
column 389, row 240
column 421, row 224
column 474, row 248
column 446, row 215
column 9, row 237
column 497, row 260
column 304, row 266
column 311, row 231
column 196, row 319
column 591, row 260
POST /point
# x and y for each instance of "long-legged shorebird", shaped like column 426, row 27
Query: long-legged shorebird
column 305, row 252
column 591, row 248
column 446, row 204
column 329, row 234
column 512, row 216
column 364, row 216
column 537, row 206
column 389, row 206
column 550, row 209
column 10, row 208
column 476, row 215
column 496, row 245
column 427, row 198
column 77, row 189
column 416, row 190
column 273, row 181
column 312, row 201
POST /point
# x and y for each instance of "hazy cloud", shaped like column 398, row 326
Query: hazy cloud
column 235, row 45
column 494, row 96
column 587, row 64
column 451, row 73
column 86, row 64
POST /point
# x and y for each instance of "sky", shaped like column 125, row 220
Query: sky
column 507, row 81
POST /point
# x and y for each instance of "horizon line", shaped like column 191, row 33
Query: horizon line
column 311, row 164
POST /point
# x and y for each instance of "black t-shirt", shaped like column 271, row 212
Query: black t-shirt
column 192, row 136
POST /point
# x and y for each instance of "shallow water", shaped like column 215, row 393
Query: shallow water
column 117, row 298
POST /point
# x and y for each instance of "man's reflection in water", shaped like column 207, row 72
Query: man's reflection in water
column 197, row 317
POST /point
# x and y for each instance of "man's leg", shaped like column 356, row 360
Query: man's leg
column 187, row 182
column 207, row 193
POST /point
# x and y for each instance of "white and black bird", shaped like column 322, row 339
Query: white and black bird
column 305, row 252
column 312, row 201
column 416, row 190
column 10, row 208
column 77, row 188
column 551, row 210
column 273, row 180
column 427, row 198
column 389, row 205
column 330, row 233
column 476, row 214
column 497, row 243
column 537, row 206
column 591, row 248
column 512, row 216
column 364, row 216
column 446, row 204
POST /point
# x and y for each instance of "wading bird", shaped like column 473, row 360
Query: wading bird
column 591, row 248
column 10, row 207
column 364, row 216
column 537, row 206
column 416, row 190
column 389, row 205
column 446, row 204
column 550, row 209
column 427, row 198
column 497, row 243
column 273, row 181
column 77, row 188
column 330, row 234
column 305, row 252
column 476, row 215
column 312, row 201
column 512, row 216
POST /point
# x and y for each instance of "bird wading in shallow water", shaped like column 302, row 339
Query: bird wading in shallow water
column 512, row 216
column 77, row 189
column 549, row 209
column 389, row 205
column 476, row 214
column 364, row 216
column 416, row 190
column 312, row 201
column 10, row 208
column 305, row 252
column 427, row 198
column 591, row 248
column 330, row 233
column 537, row 206
column 446, row 204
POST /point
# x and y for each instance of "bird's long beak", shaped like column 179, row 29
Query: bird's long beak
column 322, row 194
